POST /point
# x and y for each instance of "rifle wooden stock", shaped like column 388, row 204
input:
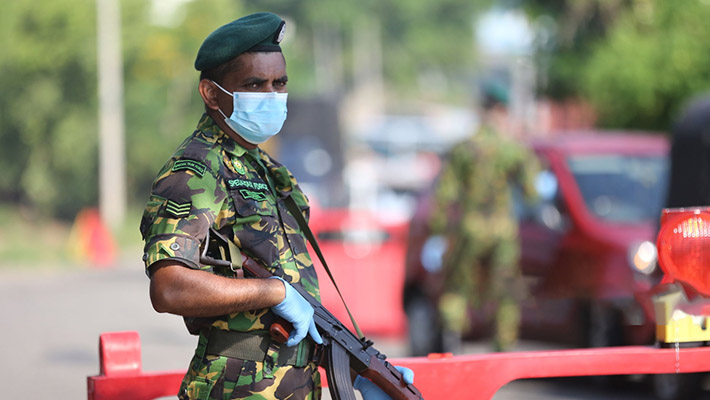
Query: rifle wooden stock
column 390, row 380
column 343, row 350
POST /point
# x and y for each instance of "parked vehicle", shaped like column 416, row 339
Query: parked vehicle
column 365, row 254
column 588, row 252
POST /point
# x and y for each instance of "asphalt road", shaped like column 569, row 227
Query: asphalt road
column 51, row 321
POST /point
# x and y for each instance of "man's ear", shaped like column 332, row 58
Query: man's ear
column 208, row 91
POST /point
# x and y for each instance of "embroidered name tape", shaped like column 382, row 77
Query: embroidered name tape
column 245, row 184
column 195, row 166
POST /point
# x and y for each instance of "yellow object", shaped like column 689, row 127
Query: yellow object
column 674, row 325
column 684, row 328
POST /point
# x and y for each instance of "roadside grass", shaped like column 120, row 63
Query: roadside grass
column 28, row 241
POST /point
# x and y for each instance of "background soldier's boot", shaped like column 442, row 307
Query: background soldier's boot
column 452, row 309
column 452, row 342
column 507, row 323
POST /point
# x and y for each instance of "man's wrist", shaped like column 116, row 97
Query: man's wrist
column 279, row 290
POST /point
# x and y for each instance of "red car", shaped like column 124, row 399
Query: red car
column 588, row 253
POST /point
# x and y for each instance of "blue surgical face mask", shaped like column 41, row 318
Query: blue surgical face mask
column 256, row 116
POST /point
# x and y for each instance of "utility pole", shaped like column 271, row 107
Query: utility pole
column 112, row 175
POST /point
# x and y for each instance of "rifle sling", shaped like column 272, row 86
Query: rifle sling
column 296, row 212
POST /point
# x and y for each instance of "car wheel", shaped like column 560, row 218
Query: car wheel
column 424, row 330
column 677, row 386
column 604, row 329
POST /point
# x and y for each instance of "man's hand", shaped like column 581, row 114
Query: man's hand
column 296, row 310
column 370, row 391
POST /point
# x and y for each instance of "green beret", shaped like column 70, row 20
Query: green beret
column 256, row 32
column 495, row 91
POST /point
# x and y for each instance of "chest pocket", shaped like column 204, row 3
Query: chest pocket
column 248, row 203
column 250, row 197
column 257, row 226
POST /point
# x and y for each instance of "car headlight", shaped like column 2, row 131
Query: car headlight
column 643, row 257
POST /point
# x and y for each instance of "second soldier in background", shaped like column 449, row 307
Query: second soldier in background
column 473, row 209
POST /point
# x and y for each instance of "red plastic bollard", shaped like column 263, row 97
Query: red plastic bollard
column 120, row 353
column 121, row 376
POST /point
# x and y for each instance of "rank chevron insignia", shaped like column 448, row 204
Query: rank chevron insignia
column 178, row 209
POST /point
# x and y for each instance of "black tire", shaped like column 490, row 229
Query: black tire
column 423, row 324
column 603, row 328
column 677, row 386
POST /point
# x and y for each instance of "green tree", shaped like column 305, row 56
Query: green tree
column 567, row 31
column 47, row 106
column 636, row 61
column 652, row 61
column 48, row 101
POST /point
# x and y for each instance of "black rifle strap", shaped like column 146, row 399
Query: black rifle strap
column 296, row 212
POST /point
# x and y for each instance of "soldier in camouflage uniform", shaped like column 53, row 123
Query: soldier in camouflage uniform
column 219, row 178
column 219, row 183
column 473, row 209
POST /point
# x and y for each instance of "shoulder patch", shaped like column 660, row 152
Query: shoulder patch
column 238, row 166
column 195, row 166
column 178, row 210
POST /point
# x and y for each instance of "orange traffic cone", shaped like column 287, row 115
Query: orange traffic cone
column 91, row 241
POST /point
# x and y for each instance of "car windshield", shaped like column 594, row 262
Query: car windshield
column 622, row 188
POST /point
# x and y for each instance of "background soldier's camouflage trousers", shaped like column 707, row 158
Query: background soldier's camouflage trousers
column 477, row 274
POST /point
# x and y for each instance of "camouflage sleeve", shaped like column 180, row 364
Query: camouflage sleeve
column 182, row 206
column 447, row 189
column 529, row 169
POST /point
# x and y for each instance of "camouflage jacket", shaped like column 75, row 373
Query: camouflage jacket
column 473, row 193
column 211, row 181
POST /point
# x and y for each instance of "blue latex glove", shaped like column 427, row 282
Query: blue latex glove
column 370, row 391
column 296, row 310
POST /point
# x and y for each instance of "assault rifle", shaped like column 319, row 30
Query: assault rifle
column 342, row 350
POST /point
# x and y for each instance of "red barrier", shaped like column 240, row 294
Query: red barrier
column 121, row 376
column 484, row 374
column 436, row 376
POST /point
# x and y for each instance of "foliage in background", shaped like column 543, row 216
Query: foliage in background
column 567, row 29
column 653, row 60
column 161, row 98
column 635, row 61
column 419, row 39
column 48, row 104
column 48, row 101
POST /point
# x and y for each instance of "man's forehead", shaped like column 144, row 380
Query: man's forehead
column 261, row 65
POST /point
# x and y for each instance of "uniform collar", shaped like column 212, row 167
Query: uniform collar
column 212, row 130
